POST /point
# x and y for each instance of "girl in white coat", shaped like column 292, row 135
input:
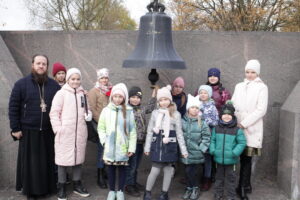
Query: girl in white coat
column 250, row 98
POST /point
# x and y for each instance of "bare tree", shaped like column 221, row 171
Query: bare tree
column 81, row 14
column 230, row 15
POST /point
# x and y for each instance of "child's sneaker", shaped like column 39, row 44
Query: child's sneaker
column 187, row 194
column 79, row 189
column 120, row 195
column 147, row 195
column 195, row 194
column 111, row 195
column 61, row 193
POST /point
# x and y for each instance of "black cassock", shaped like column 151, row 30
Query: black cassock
column 35, row 165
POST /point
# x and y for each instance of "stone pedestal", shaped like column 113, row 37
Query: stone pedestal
column 289, row 145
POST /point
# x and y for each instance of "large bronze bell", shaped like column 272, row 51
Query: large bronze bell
column 154, row 48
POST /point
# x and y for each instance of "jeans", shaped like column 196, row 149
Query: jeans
column 134, row 162
column 100, row 162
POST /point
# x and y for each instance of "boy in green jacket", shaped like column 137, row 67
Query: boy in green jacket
column 227, row 143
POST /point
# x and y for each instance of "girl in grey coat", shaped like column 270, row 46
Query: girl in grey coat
column 164, row 135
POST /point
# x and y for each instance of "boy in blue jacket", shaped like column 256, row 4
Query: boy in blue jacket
column 227, row 143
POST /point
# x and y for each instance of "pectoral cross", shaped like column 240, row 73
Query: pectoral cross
column 43, row 106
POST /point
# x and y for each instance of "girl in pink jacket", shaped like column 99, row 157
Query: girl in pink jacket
column 250, row 99
column 68, row 116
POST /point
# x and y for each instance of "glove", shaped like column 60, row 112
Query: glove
column 88, row 117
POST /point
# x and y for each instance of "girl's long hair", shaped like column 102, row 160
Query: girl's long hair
column 221, row 88
column 124, row 117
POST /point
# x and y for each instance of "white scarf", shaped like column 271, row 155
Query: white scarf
column 163, row 124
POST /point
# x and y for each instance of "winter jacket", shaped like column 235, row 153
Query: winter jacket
column 24, row 104
column 227, row 143
column 250, row 99
column 111, row 133
column 69, row 126
column 210, row 113
column 140, row 119
column 175, row 127
column 220, row 97
column 197, row 139
column 180, row 101
column 97, row 101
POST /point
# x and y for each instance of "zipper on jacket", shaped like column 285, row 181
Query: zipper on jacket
column 25, row 110
column 75, row 150
column 224, row 145
column 115, row 136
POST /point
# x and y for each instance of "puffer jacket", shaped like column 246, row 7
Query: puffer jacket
column 175, row 125
column 210, row 113
column 250, row 99
column 117, row 143
column 69, row 125
column 227, row 143
column 220, row 96
column 197, row 139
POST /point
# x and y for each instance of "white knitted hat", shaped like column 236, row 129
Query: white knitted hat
column 254, row 65
column 120, row 89
column 164, row 92
column 72, row 71
column 193, row 101
column 104, row 72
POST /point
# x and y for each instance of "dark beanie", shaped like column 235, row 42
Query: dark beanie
column 214, row 72
column 135, row 91
column 227, row 109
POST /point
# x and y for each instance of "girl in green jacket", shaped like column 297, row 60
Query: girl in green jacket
column 197, row 138
column 227, row 144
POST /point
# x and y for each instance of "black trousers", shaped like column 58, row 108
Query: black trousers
column 245, row 171
column 225, row 181
column 191, row 173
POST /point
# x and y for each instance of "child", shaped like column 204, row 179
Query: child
column 164, row 134
column 68, row 118
column 135, row 97
column 250, row 99
column 211, row 117
column 117, row 133
column 220, row 94
column 59, row 73
column 178, row 95
column 98, row 98
column 197, row 138
column 227, row 144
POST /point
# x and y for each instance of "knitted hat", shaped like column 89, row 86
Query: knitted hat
column 207, row 88
column 227, row 109
column 254, row 65
column 178, row 82
column 193, row 101
column 164, row 92
column 135, row 91
column 57, row 67
column 120, row 89
column 72, row 71
column 214, row 72
column 102, row 73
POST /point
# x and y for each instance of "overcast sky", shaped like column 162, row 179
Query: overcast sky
column 15, row 16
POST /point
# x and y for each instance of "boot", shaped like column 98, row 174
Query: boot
column 120, row 195
column 147, row 195
column 248, row 189
column 187, row 194
column 217, row 197
column 101, row 182
column 111, row 195
column 163, row 196
column 132, row 191
column 242, row 194
column 61, row 191
column 139, row 186
column 195, row 194
column 79, row 189
column 206, row 184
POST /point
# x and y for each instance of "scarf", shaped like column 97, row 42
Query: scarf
column 163, row 124
column 104, row 89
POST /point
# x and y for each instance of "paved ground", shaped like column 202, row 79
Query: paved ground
column 263, row 189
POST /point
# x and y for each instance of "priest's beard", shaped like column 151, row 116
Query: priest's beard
column 40, row 78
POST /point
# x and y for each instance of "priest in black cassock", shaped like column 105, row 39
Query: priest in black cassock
column 29, row 106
